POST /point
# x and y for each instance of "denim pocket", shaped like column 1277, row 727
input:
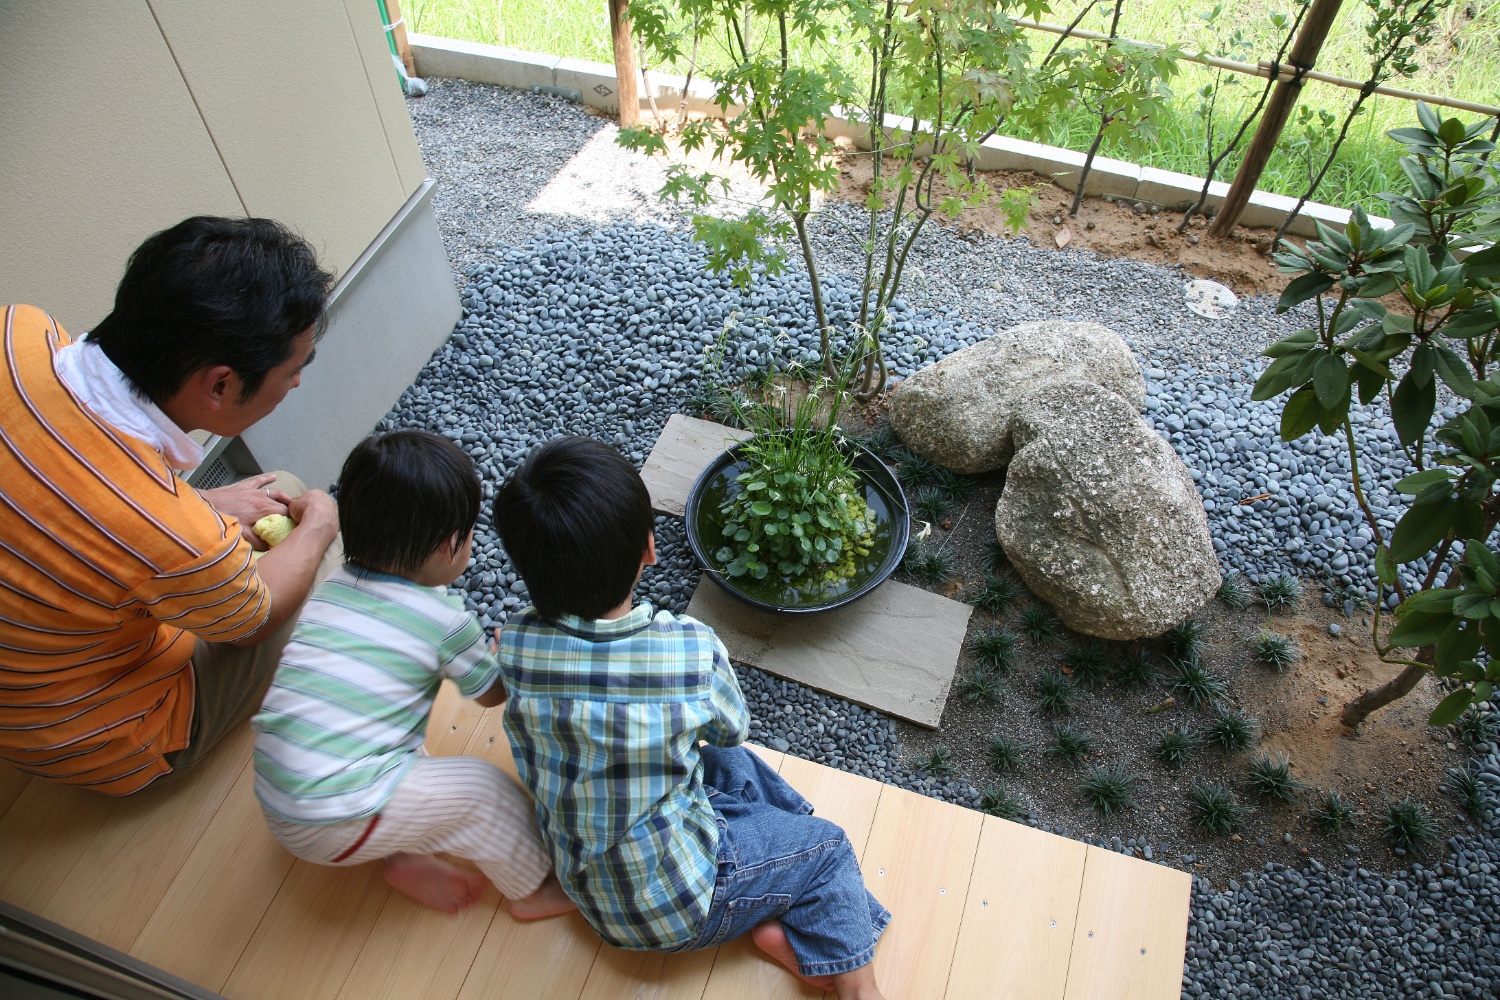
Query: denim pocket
column 745, row 912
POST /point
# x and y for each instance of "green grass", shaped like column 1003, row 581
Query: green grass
column 1232, row 731
column 997, row 800
column 1134, row 669
column 1054, row 692
column 998, row 592
column 1194, row 684
column 1039, row 623
column 1089, row 661
column 1276, row 649
column 1462, row 60
column 1270, row 777
column 939, row 762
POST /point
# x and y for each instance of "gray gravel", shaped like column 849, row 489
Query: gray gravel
column 577, row 324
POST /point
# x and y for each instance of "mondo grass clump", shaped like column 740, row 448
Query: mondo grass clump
column 913, row 470
column 1194, row 684
column 999, row 591
column 1039, row 624
column 1070, row 743
column 928, row 563
column 1276, row 650
column 1089, row 661
column 1332, row 813
column 1408, row 827
column 939, row 762
column 1233, row 592
column 997, row 800
column 994, row 648
column 1270, row 777
column 981, row 685
column 1463, row 782
column 1174, row 745
column 1054, row 692
column 1185, row 640
column 929, row 503
column 1108, row 788
column 1214, row 809
column 951, row 485
column 993, row 558
column 1282, row 592
column 1133, row 669
column 1005, row 754
column 1231, row 731
column 1474, row 727
column 882, row 442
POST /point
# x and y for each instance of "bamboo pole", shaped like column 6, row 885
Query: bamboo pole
column 1283, row 72
column 398, row 33
column 619, row 29
column 1278, row 109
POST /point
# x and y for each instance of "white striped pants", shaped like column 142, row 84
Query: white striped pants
column 462, row 806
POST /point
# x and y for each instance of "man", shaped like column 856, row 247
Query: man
column 136, row 629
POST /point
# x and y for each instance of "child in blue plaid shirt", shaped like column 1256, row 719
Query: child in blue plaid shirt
column 663, row 844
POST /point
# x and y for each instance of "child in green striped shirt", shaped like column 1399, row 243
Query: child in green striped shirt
column 339, row 768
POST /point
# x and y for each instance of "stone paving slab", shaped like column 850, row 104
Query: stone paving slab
column 683, row 450
column 895, row 649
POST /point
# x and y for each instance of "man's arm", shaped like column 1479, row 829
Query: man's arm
column 288, row 569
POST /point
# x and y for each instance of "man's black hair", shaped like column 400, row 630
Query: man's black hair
column 402, row 496
column 575, row 519
column 212, row 291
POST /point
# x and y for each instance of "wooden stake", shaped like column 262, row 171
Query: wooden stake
column 1304, row 53
column 619, row 29
column 398, row 33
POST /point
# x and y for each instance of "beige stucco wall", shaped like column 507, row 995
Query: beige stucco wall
column 121, row 117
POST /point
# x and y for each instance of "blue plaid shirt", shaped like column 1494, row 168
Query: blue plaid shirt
column 604, row 719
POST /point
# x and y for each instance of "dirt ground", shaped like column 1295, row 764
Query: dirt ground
column 1110, row 228
column 1394, row 754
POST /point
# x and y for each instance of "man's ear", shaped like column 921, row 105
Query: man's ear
column 216, row 385
column 649, row 557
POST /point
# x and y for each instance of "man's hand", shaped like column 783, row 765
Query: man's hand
column 249, row 500
column 316, row 509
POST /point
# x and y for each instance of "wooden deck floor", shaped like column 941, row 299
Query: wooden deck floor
column 186, row 878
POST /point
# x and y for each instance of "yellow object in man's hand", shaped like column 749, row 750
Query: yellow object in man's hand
column 273, row 528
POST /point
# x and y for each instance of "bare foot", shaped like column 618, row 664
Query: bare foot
column 771, row 939
column 549, row 900
column 433, row 882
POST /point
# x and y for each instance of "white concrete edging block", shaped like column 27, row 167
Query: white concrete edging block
column 594, row 84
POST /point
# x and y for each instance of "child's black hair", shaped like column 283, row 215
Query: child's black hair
column 403, row 495
column 575, row 519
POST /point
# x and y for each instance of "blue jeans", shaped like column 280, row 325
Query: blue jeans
column 777, row 861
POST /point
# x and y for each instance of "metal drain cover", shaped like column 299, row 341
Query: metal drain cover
column 1209, row 298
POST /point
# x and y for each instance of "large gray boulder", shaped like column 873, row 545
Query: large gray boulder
column 1101, row 518
column 959, row 412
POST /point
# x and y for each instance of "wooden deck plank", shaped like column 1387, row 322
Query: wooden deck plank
column 12, row 783
column 548, row 959
column 42, row 835
column 210, row 912
column 311, row 934
column 648, row 975
column 838, row 796
column 143, row 847
column 1131, row 932
column 1017, row 930
column 411, row 950
column 918, row 864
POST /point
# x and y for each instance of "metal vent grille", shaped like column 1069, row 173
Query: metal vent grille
column 213, row 475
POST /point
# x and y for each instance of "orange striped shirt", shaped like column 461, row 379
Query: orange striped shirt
column 109, row 565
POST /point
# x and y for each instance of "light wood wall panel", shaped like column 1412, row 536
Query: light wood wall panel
column 385, row 89
column 102, row 147
column 283, row 89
